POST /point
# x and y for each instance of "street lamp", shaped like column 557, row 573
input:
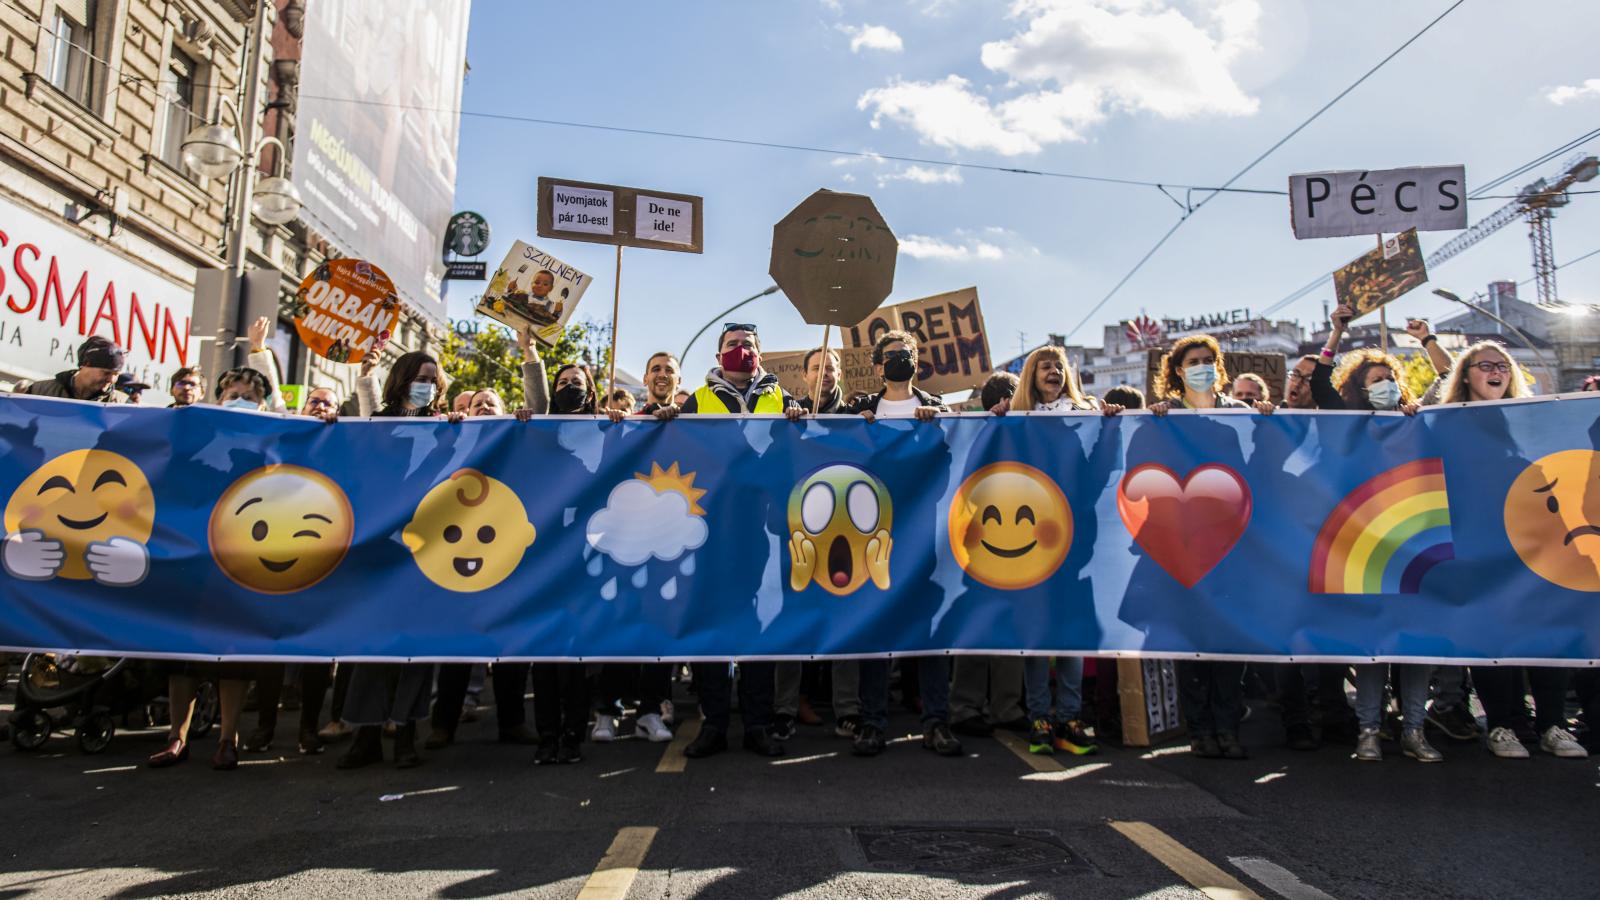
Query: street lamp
column 771, row 290
column 1555, row 371
column 213, row 150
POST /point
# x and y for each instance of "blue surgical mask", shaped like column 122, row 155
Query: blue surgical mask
column 241, row 403
column 1200, row 377
column 421, row 393
column 1384, row 395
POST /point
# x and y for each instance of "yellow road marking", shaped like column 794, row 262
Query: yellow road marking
column 1019, row 746
column 1189, row 865
column 620, row 866
column 672, row 759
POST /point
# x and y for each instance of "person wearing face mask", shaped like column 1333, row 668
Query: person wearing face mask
column 395, row 693
column 1487, row 373
column 188, row 387
column 738, row 384
column 99, row 361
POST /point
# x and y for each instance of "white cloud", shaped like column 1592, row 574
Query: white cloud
column 638, row 523
column 835, row 6
column 964, row 249
column 1568, row 93
column 872, row 37
column 922, row 175
column 1076, row 62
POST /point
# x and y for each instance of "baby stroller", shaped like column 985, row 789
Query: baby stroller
column 90, row 693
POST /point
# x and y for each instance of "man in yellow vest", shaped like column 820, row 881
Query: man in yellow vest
column 739, row 384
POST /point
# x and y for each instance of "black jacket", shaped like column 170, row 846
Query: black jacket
column 869, row 403
column 61, row 386
column 1323, row 393
column 832, row 403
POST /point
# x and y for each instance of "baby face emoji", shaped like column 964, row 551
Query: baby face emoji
column 281, row 529
column 839, row 521
column 469, row 532
column 84, row 514
column 1553, row 518
column 1010, row 526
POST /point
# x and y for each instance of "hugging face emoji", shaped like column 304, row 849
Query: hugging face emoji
column 281, row 529
column 839, row 521
column 469, row 533
column 84, row 514
column 1553, row 518
column 1010, row 526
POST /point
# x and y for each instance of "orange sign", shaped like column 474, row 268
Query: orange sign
column 346, row 309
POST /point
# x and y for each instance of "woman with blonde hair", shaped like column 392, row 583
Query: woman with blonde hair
column 1049, row 384
column 1485, row 371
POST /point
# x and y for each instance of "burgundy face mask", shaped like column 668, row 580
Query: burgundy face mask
column 738, row 359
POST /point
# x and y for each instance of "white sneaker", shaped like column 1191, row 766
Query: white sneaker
column 605, row 729
column 653, row 728
column 1504, row 744
column 668, row 713
column 1559, row 741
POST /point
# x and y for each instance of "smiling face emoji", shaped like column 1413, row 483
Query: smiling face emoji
column 281, row 529
column 839, row 522
column 1010, row 526
column 469, row 532
column 80, row 498
column 1553, row 518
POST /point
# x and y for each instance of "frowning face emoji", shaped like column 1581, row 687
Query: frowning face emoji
column 1010, row 526
column 469, row 532
column 1553, row 518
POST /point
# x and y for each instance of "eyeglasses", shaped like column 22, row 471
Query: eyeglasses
column 186, row 383
column 737, row 326
column 1492, row 368
column 318, row 401
column 1297, row 376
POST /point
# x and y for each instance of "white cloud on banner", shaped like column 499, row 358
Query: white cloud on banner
column 872, row 37
column 1569, row 93
column 1078, row 61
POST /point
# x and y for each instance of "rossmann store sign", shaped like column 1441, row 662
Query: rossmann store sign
column 57, row 287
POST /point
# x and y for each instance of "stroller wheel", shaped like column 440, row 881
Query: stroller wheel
column 30, row 728
column 95, row 731
column 207, row 708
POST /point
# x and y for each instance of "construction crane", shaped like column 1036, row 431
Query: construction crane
column 1537, row 203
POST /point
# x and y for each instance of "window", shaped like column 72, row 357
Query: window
column 72, row 57
column 178, row 87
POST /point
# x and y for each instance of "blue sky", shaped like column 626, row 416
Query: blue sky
column 1176, row 92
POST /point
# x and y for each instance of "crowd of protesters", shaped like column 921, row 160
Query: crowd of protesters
column 1048, row 701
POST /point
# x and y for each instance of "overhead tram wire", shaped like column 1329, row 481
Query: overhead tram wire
column 1253, row 163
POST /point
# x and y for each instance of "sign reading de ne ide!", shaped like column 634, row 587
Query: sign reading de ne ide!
column 1343, row 204
column 611, row 214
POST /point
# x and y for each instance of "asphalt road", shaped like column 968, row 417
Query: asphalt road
column 479, row 819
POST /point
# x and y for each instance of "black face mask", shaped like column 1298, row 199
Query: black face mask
column 897, row 366
column 569, row 398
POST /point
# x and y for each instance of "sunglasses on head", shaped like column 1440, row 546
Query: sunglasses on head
column 737, row 326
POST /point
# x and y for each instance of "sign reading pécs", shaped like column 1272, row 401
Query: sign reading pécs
column 1343, row 204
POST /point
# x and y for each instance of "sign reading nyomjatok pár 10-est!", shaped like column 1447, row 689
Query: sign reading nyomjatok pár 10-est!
column 611, row 214
column 1342, row 204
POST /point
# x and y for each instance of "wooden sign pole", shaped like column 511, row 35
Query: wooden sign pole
column 616, row 309
column 816, row 390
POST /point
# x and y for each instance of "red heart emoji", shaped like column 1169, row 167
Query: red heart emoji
column 1186, row 526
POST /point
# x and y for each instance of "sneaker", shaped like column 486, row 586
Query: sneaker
column 1040, row 740
column 1301, row 737
column 668, row 712
column 972, row 726
column 654, row 730
column 546, row 754
column 568, row 748
column 762, row 743
column 1368, row 748
column 868, row 742
column 709, row 742
column 941, row 741
column 847, row 726
column 1072, row 737
column 1454, row 721
column 1559, row 741
column 1504, row 744
column 782, row 727
column 259, row 741
column 1414, row 744
column 605, row 729
column 1228, row 743
column 334, row 731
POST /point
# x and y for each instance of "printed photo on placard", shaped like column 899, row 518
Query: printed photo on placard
column 531, row 287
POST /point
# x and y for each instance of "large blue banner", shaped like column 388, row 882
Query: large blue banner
column 1465, row 533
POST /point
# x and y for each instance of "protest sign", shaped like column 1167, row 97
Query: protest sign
column 952, row 346
column 1341, row 204
column 624, row 216
column 834, row 258
column 293, row 395
column 345, row 309
column 1272, row 367
column 1382, row 274
column 855, row 370
column 533, row 288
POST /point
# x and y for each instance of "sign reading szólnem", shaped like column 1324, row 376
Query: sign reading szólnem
column 1341, row 204
column 952, row 346
column 611, row 214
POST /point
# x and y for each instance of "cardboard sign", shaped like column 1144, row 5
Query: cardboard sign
column 1381, row 275
column 1272, row 367
column 293, row 395
column 952, row 345
column 533, row 288
column 1341, row 204
column 612, row 214
column 834, row 258
column 345, row 309
column 855, row 373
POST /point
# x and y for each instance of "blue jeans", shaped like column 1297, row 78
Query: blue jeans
column 1412, row 683
column 1069, row 688
column 933, row 680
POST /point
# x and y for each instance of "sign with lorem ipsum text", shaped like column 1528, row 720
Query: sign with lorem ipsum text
column 1342, row 204
column 952, row 346
column 612, row 214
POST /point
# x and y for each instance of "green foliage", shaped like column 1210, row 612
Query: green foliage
column 1417, row 372
column 491, row 358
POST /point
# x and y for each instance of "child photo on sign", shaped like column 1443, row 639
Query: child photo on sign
column 533, row 288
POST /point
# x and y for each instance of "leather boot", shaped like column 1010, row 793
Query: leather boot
column 366, row 749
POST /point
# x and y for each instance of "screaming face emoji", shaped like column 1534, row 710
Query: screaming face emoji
column 1553, row 518
column 281, row 529
column 846, row 512
column 84, row 514
column 1010, row 526
column 469, row 532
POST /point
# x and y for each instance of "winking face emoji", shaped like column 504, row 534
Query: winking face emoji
column 839, row 521
column 469, row 532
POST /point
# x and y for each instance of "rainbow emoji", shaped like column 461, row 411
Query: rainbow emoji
column 1386, row 534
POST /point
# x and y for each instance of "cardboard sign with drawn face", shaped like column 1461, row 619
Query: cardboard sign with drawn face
column 834, row 257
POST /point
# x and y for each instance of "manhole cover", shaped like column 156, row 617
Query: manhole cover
column 968, row 851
